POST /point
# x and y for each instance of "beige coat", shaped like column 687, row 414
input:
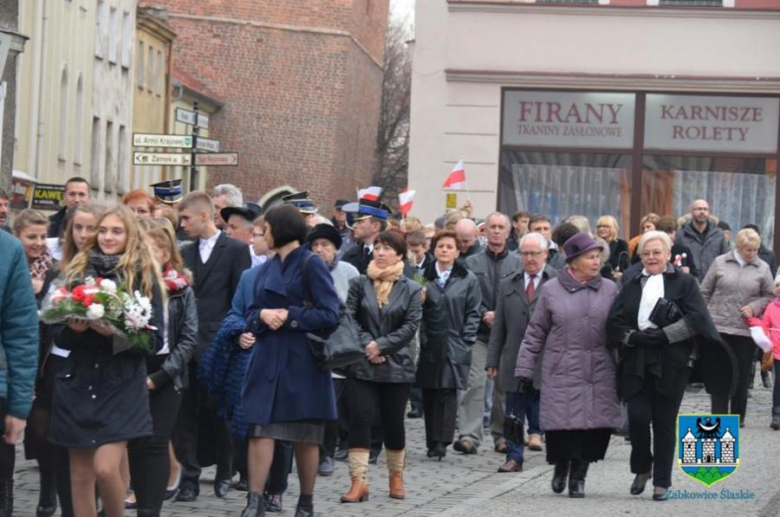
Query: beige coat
column 728, row 287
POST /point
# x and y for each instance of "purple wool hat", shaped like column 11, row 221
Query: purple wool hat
column 578, row 244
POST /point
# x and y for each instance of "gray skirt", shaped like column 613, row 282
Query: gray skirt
column 311, row 431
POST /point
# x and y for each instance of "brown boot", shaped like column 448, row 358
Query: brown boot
column 396, row 461
column 358, row 472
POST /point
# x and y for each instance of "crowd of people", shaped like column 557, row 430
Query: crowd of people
column 548, row 337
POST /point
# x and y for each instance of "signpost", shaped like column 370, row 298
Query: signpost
column 192, row 118
column 207, row 144
column 178, row 159
column 217, row 159
column 173, row 141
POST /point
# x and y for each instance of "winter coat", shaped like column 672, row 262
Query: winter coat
column 449, row 329
column 618, row 254
column 513, row 313
column 770, row 322
column 578, row 389
column 729, row 287
column 490, row 268
column 768, row 256
column 283, row 383
column 19, row 338
column 182, row 340
column 715, row 362
column 393, row 328
column 705, row 247
column 342, row 273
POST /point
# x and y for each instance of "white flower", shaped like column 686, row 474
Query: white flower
column 95, row 312
column 108, row 285
column 89, row 281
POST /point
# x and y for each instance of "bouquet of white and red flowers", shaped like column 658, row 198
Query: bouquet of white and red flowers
column 102, row 300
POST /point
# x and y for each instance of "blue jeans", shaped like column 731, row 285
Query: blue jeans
column 519, row 407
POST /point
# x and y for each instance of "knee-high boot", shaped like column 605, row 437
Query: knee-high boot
column 396, row 461
column 358, row 473
column 579, row 470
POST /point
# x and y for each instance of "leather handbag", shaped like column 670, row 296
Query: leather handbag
column 665, row 313
column 338, row 348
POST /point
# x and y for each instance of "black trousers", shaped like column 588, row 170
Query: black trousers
column 335, row 430
column 280, row 468
column 366, row 399
column 149, row 460
column 646, row 408
column 199, row 429
column 744, row 349
column 440, row 408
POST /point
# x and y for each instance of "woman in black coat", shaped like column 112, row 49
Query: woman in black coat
column 100, row 394
column 386, row 307
column 449, row 330
column 656, row 356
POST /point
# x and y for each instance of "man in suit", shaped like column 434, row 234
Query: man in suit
column 516, row 300
column 216, row 262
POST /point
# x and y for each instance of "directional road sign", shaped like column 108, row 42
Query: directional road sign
column 161, row 159
column 177, row 141
column 188, row 117
column 207, row 144
column 217, row 159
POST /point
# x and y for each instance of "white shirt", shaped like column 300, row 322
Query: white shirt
column 443, row 275
column 537, row 279
column 206, row 246
column 740, row 259
column 256, row 259
column 651, row 292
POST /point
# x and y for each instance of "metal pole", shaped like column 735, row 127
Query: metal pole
column 193, row 167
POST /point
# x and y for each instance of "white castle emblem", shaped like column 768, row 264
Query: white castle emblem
column 710, row 447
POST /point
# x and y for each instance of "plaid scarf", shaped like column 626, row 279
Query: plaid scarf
column 41, row 265
column 175, row 281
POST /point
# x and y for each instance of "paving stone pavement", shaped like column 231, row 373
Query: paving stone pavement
column 462, row 486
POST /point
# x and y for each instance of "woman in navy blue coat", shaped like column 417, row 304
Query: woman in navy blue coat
column 286, row 397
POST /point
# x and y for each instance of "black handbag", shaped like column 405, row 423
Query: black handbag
column 665, row 313
column 338, row 348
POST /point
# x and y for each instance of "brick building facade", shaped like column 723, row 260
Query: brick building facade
column 301, row 85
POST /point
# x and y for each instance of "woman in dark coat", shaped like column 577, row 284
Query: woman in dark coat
column 100, row 396
column 608, row 229
column 387, row 309
column 286, row 397
column 579, row 403
column 449, row 330
column 655, row 361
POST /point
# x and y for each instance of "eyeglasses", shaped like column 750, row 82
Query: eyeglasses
column 533, row 254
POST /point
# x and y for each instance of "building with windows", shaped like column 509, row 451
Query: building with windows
column 11, row 45
column 617, row 107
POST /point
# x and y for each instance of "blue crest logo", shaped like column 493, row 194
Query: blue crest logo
column 708, row 446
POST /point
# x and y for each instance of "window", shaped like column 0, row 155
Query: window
column 139, row 66
column 160, row 77
column 62, row 137
column 95, row 176
column 113, row 34
column 100, row 20
column 123, row 159
column 692, row 3
column 78, row 122
column 150, row 79
column 109, row 173
column 127, row 40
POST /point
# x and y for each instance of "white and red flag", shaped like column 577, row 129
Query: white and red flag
column 371, row 193
column 405, row 199
column 457, row 178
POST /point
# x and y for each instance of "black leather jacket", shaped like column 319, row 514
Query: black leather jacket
column 182, row 340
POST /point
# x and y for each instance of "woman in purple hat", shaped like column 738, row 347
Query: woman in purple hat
column 579, row 402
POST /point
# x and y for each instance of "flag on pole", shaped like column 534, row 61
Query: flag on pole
column 405, row 201
column 457, row 178
column 371, row 193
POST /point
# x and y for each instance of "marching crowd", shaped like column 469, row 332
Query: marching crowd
column 546, row 337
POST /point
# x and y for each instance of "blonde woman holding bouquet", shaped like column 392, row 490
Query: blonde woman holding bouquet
column 101, row 398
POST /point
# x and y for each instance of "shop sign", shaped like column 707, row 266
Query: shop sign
column 47, row 197
column 569, row 119
column 709, row 123
column 21, row 192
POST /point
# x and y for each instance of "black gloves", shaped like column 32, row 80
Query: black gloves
column 524, row 385
column 650, row 338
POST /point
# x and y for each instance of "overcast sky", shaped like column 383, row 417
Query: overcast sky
column 403, row 9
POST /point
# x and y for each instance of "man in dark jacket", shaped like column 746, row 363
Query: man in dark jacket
column 704, row 239
column 764, row 253
column 491, row 266
column 370, row 221
column 466, row 230
column 516, row 299
column 520, row 223
column 76, row 193
column 217, row 262
column 541, row 224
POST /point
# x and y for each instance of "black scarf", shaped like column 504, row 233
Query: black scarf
column 101, row 265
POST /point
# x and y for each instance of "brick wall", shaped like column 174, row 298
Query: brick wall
column 300, row 104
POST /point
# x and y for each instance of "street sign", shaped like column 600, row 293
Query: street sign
column 188, row 117
column 207, row 144
column 452, row 200
column 217, row 159
column 161, row 159
column 177, row 141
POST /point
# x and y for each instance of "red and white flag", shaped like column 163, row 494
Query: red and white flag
column 457, row 178
column 405, row 201
column 370, row 193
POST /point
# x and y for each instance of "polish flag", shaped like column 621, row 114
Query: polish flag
column 405, row 201
column 457, row 178
column 370, row 193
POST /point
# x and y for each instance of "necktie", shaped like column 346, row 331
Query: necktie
column 530, row 289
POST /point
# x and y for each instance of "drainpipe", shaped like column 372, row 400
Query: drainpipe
column 41, row 100
column 32, row 151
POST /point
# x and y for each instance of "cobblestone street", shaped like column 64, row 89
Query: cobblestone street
column 469, row 485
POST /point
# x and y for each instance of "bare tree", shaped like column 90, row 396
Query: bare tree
column 392, row 149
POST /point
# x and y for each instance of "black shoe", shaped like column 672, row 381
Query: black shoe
column 638, row 486
column 131, row 505
column 341, row 455
column 579, row 470
column 559, row 476
column 222, row 487
column 47, row 500
column 242, row 485
column 255, row 505
column 300, row 512
column 415, row 413
column 326, row 466
column 187, row 493
column 439, row 451
column 273, row 503
column 660, row 493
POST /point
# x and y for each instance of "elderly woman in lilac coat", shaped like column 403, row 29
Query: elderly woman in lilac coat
column 579, row 401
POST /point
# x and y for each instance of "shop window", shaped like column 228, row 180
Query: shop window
column 692, row 3
column 739, row 191
column 560, row 185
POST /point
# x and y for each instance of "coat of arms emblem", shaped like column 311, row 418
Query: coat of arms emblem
column 708, row 446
